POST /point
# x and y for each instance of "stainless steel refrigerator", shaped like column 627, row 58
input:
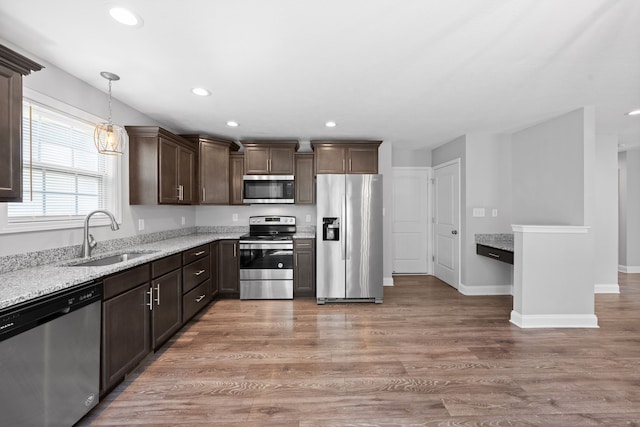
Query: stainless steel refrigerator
column 349, row 238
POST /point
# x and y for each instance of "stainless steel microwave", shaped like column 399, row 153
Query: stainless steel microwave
column 268, row 189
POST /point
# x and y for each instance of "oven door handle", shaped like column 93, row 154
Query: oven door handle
column 265, row 245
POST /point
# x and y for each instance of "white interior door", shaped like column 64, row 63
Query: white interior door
column 446, row 265
column 410, row 220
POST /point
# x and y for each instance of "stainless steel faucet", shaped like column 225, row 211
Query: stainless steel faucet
column 88, row 243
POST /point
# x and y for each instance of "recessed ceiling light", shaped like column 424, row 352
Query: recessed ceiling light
column 232, row 124
column 634, row 112
column 330, row 124
column 200, row 91
column 125, row 16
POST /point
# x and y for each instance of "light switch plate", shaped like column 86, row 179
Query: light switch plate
column 494, row 212
column 478, row 212
column 308, row 218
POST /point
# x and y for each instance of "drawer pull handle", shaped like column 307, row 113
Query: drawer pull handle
column 198, row 253
column 199, row 272
column 200, row 298
column 158, row 291
column 150, row 293
column 493, row 255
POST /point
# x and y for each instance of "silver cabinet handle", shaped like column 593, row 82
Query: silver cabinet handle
column 343, row 168
column 178, row 189
column 198, row 253
column 296, row 259
column 199, row 272
column 158, row 294
column 350, row 165
column 150, row 303
column 200, row 298
column 204, row 194
column 234, row 250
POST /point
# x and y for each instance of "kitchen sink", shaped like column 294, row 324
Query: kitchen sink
column 113, row 259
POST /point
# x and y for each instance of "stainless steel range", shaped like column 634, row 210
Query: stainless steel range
column 266, row 258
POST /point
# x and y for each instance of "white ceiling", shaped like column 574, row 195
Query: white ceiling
column 415, row 72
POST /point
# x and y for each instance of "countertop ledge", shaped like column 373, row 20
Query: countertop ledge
column 23, row 285
column 502, row 241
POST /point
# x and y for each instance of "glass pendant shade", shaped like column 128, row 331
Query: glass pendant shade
column 108, row 137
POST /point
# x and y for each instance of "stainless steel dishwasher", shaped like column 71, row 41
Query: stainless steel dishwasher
column 50, row 358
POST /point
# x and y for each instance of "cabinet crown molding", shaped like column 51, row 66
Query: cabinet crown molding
column 16, row 62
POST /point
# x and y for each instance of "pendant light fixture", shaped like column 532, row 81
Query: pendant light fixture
column 110, row 138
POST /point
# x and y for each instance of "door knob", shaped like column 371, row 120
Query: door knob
column 454, row 231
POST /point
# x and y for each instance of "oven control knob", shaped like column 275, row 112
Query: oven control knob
column 280, row 265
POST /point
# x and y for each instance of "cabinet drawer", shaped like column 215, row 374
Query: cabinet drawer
column 194, row 300
column 165, row 265
column 121, row 282
column 195, row 273
column 303, row 243
column 494, row 253
column 194, row 254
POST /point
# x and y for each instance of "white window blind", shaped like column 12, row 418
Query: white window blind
column 64, row 177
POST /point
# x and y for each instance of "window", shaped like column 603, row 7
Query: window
column 64, row 176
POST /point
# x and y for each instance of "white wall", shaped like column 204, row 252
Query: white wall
column 630, row 210
column 488, row 184
column 549, row 172
column 605, row 225
column 55, row 83
column 411, row 158
column 223, row 215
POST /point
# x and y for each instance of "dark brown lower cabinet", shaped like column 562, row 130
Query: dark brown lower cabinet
column 229, row 268
column 214, row 288
column 304, row 268
column 167, row 307
column 125, row 334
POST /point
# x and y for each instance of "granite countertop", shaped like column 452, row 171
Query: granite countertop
column 502, row 241
column 25, row 284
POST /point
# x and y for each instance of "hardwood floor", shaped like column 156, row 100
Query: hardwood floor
column 427, row 356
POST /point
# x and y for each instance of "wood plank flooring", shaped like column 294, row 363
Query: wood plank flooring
column 428, row 356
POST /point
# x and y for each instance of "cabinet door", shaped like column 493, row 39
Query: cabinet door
column 186, row 176
column 362, row 160
column 256, row 160
column 281, row 160
column 214, row 174
column 330, row 159
column 10, row 131
column 236, row 168
column 214, row 283
column 168, row 173
column 167, row 306
column 229, row 268
column 304, row 272
column 125, row 334
column 304, row 179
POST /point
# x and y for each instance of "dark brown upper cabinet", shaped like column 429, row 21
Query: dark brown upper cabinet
column 269, row 157
column 357, row 157
column 161, row 167
column 236, row 170
column 213, row 169
column 304, row 179
column 12, row 67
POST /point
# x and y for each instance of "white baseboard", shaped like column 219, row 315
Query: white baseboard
column 629, row 269
column 387, row 281
column 554, row 320
column 607, row 288
column 485, row 289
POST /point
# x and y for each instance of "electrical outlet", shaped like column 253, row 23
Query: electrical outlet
column 140, row 224
column 308, row 218
column 478, row 212
column 183, row 221
column 234, row 217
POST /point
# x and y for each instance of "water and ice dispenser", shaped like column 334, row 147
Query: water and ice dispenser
column 330, row 228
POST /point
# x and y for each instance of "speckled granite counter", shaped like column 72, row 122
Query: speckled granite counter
column 29, row 283
column 40, row 273
column 502, row 241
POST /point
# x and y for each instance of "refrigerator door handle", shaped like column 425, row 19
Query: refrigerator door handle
column 343, row 231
